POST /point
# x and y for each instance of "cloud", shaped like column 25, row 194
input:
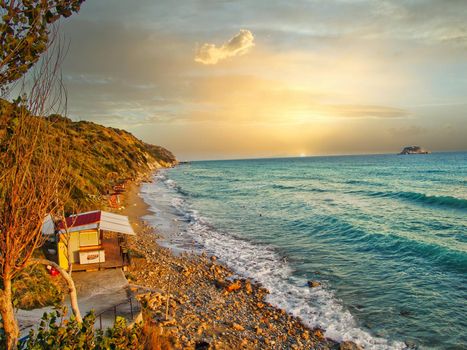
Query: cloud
column 239, row 45
column 301, row 90
column 366, row 111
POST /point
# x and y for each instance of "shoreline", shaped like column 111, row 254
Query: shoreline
column 206, row 306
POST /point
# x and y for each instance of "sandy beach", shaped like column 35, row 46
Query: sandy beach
column 206, row 307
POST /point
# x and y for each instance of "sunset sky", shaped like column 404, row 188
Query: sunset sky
column 235, row 79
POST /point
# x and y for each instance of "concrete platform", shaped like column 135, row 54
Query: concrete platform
column 107, row 292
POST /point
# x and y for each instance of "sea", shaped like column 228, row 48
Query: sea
column 385, row 235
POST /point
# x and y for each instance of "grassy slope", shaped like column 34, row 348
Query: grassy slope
column 100, row 157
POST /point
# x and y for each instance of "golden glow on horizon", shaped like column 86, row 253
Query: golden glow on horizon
column 245, row 82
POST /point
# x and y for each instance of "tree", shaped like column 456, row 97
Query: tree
column 69, row 281
column 24, row 33
column 32, row 164
column 29, row 185
column 31, row 169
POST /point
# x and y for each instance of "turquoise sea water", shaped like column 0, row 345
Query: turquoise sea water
column 386, row 235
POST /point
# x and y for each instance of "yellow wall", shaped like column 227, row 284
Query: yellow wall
column 88, row 238
column 76, row 240
column 62, row 255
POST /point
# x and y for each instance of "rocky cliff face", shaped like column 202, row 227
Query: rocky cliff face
column 414, row 150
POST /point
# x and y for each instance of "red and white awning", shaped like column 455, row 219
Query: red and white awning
column 98, row 219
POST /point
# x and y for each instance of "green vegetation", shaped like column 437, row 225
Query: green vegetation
column 25, row 33
column 34, row 288
column 94, row 159
column 48, row 165
column 58, row 332
column 99, row 157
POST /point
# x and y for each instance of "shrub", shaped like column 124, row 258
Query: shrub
column 35, row 288
column 57, row 332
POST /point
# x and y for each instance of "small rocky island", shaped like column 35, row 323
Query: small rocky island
column 414, row 150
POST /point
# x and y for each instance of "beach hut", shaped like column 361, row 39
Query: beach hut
column 92, row 240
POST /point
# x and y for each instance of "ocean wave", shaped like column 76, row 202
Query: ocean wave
column 444, row 201
column 340, row 232
column 420, row 198
column 298, row 188
column 162, row 177
column 315, row 306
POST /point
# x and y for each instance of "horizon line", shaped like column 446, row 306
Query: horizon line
column 310, row 156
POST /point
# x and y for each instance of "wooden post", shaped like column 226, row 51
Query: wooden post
column 167, row 300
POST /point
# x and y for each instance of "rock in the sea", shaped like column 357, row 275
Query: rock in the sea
column 414, row 150
column 410, row 344
column 313, row 284
column 318, row 333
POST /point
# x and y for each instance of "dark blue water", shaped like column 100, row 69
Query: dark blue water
column 384, row 234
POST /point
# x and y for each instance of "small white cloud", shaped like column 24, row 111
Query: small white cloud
column 239, row 45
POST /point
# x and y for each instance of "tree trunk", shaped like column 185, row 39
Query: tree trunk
column 69, row 252
column 10, row 326
column 70, row 283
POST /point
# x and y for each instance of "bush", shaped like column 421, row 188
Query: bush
column 56, row 332
column 35, row 288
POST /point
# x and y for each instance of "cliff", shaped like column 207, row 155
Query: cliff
column 99, row 157
column 414, row 150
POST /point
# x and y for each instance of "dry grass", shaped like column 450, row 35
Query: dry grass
column 154, row 339
column 35, row 288
column 99, row 157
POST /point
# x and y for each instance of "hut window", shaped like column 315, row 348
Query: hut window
column 88, row 238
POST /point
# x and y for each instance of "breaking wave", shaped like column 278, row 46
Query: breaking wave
column 317, row 307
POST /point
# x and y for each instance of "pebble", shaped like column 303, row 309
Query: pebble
column 207, row 309
column 237, row 327
column 313, row 284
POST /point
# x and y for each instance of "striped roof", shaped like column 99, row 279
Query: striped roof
column 98, row 219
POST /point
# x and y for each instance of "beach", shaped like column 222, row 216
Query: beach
column 356, row 225
column 208, row 306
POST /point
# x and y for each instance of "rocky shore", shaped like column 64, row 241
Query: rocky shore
column 197, row 303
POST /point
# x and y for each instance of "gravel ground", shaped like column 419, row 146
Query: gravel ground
column 198, row 303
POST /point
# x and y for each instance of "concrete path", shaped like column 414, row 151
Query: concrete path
column 107, row 293
column 98, row 291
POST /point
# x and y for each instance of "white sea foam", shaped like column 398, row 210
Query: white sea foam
column 317, row 307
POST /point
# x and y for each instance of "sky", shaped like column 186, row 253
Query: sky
column 271, row 78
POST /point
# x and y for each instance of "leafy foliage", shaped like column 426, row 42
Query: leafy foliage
column 25, row 34
column 58, row 332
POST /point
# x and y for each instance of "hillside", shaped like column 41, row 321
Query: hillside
column 99, row 157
